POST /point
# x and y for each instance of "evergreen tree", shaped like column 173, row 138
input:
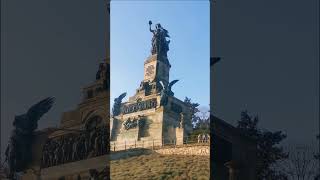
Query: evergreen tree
column 269, row 151
column 193, row 108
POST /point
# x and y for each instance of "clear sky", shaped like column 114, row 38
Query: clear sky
column 270, row 64
column 188, row 24
column 270, row 53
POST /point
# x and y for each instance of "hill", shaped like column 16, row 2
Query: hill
column 158, row 166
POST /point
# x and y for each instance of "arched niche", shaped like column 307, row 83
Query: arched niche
column 96, row 118
column 93, row 122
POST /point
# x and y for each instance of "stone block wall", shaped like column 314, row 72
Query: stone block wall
column 186, row 150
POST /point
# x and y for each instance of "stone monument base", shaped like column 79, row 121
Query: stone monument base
column 70, row 171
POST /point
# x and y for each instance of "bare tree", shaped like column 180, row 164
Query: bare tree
column 300, row 164
column 204, row 112
column 203, row 121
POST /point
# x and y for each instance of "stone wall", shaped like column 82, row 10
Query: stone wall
column 186, row 150
column 152, row 130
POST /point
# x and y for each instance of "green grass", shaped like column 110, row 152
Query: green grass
column 157, row 166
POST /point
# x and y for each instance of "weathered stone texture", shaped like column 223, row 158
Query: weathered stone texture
column 186, row 150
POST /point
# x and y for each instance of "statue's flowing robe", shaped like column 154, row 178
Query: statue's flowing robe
column 159, row 42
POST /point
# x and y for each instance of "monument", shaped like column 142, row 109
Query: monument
column 76, row 149
column 153, row 115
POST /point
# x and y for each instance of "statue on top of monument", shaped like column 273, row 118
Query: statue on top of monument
column 100, row 73
column 160, row 45
column 18, row 153
column 116, row 110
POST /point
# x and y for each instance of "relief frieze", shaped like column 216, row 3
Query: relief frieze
column 139, row 106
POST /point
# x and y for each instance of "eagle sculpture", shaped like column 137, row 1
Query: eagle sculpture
column 18, row 153
column 166, row 91
column 116, row 109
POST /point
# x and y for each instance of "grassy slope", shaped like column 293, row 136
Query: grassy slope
column 156, row 166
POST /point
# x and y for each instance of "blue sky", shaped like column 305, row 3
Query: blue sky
column 188, row 24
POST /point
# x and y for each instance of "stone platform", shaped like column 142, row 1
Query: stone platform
column 69, row 170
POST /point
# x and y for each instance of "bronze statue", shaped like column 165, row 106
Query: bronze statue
column 181, row 124
column 163, row 95
column 166, row 91
column 170, row 93
column 129, row 124
column 160, row 45
column 100, row 72
column 104, row 73
column 116, row 110
column 18, row 153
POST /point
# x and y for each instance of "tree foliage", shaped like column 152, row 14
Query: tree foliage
column 193, row 108
column 200, row 119
column 268, row 149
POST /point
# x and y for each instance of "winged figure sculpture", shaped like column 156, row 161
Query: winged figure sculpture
column 18, row 153
column 116, row 110
column 166, row 91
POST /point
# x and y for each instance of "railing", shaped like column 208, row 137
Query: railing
column 159, row 143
